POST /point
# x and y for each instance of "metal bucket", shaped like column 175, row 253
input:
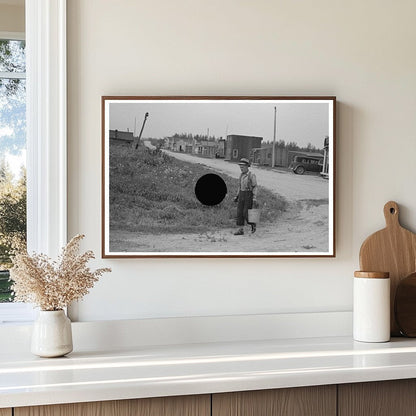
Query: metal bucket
column 254, row 215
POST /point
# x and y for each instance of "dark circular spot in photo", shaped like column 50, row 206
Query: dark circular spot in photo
column 210, row 189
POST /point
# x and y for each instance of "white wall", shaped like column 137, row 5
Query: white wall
column 361, row 51
column 12, row 17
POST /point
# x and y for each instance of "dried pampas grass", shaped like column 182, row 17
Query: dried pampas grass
column 53, row 285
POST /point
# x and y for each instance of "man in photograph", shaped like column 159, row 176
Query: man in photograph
column 246, row 197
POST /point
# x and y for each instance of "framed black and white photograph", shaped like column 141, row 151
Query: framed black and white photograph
column 218, row 176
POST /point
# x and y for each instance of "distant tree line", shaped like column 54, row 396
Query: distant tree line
column 190, row 136
column 294, row 146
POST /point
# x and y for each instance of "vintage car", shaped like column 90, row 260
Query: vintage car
column 301, row 164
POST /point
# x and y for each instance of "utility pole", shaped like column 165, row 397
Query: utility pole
column 136, row 141
column 274, row 139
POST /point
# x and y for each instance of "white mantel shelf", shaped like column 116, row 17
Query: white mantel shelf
column 167, row 370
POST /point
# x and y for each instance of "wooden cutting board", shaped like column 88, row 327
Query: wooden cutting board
column 393, row 250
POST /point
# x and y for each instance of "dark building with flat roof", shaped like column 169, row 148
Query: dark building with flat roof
column 122, row 136
column 238, row 146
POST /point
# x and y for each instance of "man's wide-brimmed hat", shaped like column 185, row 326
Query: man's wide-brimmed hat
column 244, row 162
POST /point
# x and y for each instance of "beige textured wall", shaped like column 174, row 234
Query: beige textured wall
column 361, row 51
column 12, row 18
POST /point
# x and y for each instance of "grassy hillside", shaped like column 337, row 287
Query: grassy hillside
column 155, row 194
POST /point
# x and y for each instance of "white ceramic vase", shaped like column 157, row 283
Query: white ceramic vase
column 52, row 334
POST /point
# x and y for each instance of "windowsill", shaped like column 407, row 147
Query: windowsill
column 16, row 313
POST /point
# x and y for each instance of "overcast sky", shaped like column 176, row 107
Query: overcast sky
column 299, row 122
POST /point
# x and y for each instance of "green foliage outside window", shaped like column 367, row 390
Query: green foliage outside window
column 12, row 145
column 12, row 223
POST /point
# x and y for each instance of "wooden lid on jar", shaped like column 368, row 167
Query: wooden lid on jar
column 372, row 275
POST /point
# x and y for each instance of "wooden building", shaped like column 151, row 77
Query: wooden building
column 178, row 144
column 263, row 156
column 121, row 136
column 206, row 148
column 221, row 149
column 238, row 146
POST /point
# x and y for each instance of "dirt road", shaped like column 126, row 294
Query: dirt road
column 292, row 187
column 302, row 229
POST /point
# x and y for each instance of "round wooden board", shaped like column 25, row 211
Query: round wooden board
column 405, row 305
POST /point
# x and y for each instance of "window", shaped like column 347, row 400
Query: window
column 235, row 153
column 12, row 154
column 46, row 135
column 12, row 165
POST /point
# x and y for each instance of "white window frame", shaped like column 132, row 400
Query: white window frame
column 46, row 134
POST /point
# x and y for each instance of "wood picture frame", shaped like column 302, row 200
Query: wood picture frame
column 172, row 167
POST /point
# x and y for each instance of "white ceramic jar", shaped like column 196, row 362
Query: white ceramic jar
column 371, row 309
column 52, row 334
